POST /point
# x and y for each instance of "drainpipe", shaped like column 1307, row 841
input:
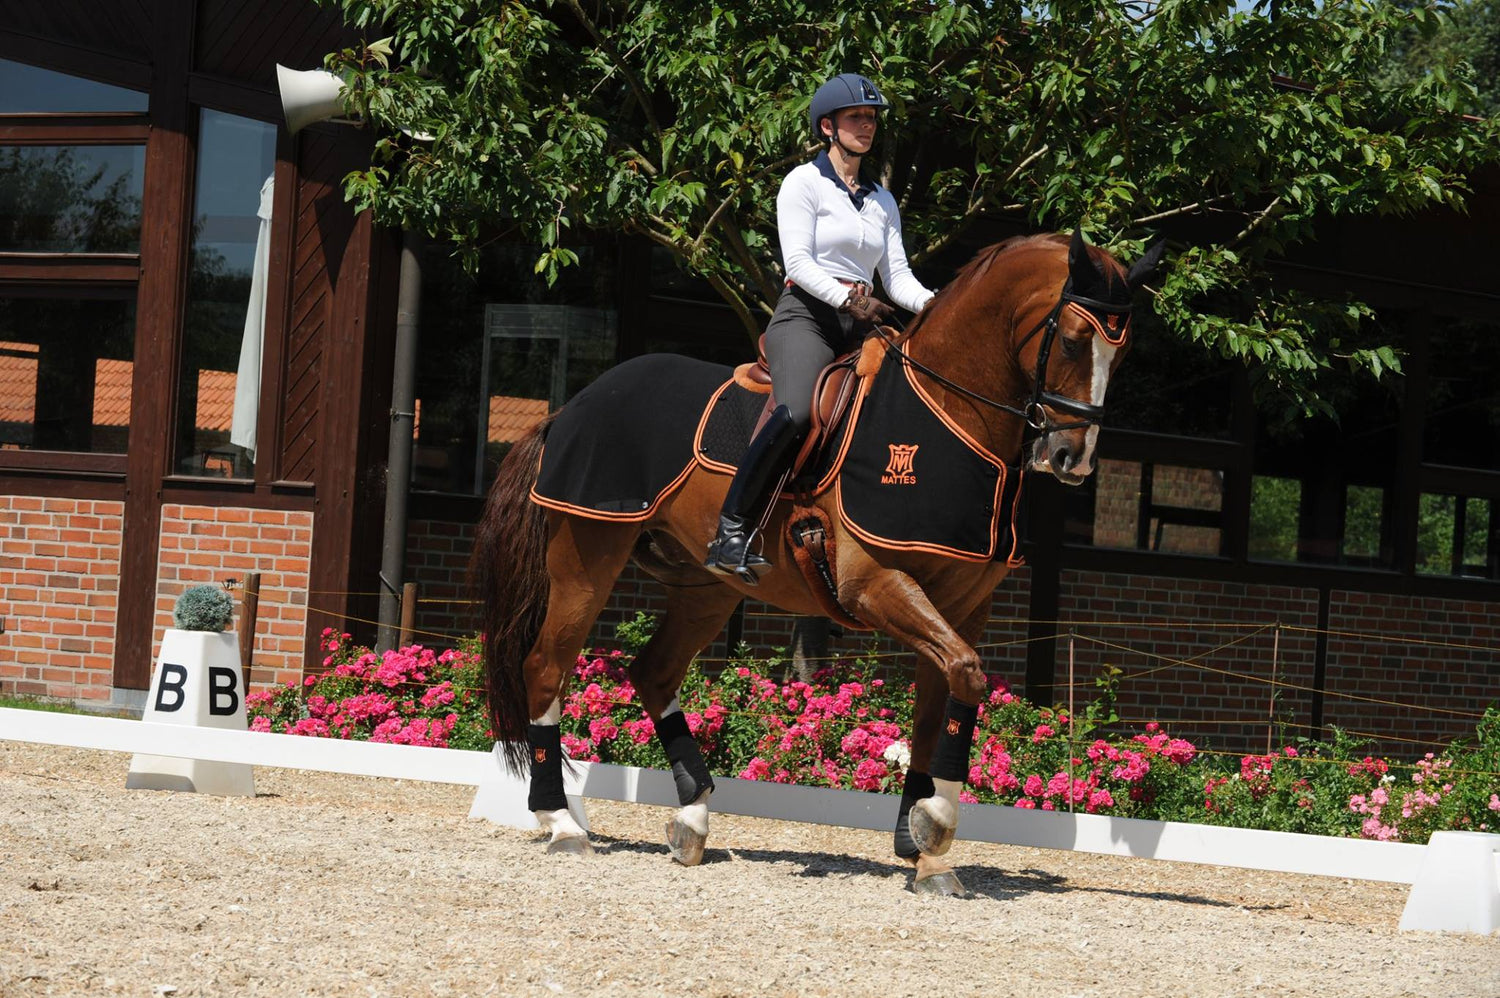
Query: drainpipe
column 398, row 459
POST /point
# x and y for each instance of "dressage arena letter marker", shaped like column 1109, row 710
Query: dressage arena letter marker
column 172, row 679
column 197, row 684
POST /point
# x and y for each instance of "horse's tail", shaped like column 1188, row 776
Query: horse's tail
column 508, row 576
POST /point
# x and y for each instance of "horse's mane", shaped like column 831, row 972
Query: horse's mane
column 976, row 268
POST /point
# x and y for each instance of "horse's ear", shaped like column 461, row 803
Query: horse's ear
column 1087, row 275
column 1142, row 269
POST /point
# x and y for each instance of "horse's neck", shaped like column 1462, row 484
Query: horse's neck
column 946, row 343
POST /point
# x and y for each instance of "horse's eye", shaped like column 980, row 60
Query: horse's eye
column 1071, row 347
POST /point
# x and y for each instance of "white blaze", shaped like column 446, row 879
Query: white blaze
column 1104, row 356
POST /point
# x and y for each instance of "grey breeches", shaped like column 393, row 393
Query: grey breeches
column 804, row 336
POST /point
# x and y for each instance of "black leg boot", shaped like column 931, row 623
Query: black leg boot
column 731, row 551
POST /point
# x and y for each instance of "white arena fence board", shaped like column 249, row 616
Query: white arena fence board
column 1284, row 852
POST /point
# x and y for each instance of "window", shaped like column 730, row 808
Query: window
column 71, row 199
column 1149, row 507
column 32, row 90
column 72, row 171
column 1274, row 504
column 499, row 349
column 1365, row 539
column 65, row 372
column 219, row 390
column 1455, row 536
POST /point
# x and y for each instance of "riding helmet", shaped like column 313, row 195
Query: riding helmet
column 844, row 90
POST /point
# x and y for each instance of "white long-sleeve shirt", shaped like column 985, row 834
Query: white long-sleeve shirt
column 829, row 233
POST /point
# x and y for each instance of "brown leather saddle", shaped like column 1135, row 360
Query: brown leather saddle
column 833, row 393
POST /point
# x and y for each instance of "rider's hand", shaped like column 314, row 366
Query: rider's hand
column 867, row 309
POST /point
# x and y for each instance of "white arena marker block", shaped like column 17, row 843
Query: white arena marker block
column 196, row 683
column 501, row 796
column 1458, row 887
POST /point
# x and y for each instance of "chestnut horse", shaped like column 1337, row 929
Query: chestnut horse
column 1024, row 339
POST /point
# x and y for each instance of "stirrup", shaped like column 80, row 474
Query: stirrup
column 748, row 569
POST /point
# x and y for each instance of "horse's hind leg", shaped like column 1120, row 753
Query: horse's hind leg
column 583, row 560
column 694, row 616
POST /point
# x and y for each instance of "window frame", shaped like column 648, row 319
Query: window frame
column 48, row 274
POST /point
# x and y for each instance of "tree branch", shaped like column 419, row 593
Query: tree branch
column 1259, row 220
column 641, row 97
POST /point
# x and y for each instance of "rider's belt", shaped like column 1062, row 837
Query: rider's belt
column 848, row 284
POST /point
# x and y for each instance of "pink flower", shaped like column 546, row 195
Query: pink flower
column 1180, row 751
column 870, row 774
column 1027, row 803
column 758, row 769
column 602, row 729
column 264, row 724
column 965, row 797
column 1494, row 804
column 1034, row 785
column 1042, row 732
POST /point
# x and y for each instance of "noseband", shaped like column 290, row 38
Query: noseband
column 1034, row 414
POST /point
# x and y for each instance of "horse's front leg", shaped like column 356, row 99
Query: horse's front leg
column 943, row 734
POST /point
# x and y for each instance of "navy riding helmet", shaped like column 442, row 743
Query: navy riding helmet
column 844, row 90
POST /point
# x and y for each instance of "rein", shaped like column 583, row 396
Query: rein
column 1033, row 414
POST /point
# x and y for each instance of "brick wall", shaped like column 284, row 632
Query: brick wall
column 1439, row 658
column 212, row 544
column 59, row 591
column 437, row 559
column 1197, row 656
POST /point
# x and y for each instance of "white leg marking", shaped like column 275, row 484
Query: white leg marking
column 945, row 801
column 560, row 825
column 695, row 815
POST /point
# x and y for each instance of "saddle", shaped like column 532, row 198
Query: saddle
column 808, row 530
column 834, row 390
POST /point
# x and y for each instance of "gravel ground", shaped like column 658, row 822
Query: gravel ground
column 334, row 885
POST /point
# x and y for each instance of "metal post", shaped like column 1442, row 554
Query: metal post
column 249, row 606
column 398, row 459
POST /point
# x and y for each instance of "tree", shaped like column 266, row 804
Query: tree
column 675, row 120
column 1465, row 44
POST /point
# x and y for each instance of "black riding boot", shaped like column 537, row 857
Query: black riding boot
column 765, row 459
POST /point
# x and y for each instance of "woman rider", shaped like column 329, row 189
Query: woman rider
column 837, row 228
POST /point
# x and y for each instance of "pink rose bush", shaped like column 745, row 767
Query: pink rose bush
column 408, row 696
column 849, row 728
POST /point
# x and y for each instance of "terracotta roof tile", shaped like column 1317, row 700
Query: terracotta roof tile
column 112, row 392
column 215, row 400
column 511, row 417
column 18, row 382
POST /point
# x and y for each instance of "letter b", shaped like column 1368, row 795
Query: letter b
column 173, row 678
column 221, row 688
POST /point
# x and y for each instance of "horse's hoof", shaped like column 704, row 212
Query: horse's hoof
column 570, row 845
column 931, row 834
column 942, row 884
column 685, row 842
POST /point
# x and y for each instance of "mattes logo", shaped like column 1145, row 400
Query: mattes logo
column 899, row 470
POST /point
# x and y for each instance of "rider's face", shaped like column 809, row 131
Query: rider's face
column 856, row 127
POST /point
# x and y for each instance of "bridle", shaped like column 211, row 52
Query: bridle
column 1112, row 327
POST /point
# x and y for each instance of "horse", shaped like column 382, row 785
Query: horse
column 1023, row 341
